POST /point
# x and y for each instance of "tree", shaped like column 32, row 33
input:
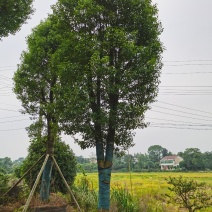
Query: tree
column 6, row 164
column 13, row 13
column 4, row 180
column 141, row 161
column 110, row 67
column 189, row 193
column 192, row 159
column 35, row 81
column 207, row 160
column 155, row 153
column 64, row 157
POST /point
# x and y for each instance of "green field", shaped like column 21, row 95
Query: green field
column 149, row 189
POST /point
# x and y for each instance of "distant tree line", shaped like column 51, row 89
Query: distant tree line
column 193, row 160
column 7, row 166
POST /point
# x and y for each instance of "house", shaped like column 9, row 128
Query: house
column 170, row 162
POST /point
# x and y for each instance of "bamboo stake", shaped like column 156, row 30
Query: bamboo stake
column 35, row 185
column 66, row 184
column 23, row 175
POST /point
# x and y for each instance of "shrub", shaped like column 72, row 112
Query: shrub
column 64, row 157
column 189, row 193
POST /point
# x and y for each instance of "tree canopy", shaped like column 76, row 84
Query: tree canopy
column 37, row 77
column 110, row 68
column 110, row 62
column 35, row 82
column 13, row 13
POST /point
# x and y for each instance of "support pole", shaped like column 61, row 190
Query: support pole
column 23, row 176
column 66, row 184
column 35, row 185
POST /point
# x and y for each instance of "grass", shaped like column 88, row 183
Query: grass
column 135, row 192
column 143, row 191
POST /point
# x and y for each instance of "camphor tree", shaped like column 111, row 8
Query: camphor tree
column 13, row 13
column 35, row 81
column 110, row 63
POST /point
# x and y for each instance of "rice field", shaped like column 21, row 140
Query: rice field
column 149, row 188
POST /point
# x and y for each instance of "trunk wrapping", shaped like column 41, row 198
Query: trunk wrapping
column 46, row 179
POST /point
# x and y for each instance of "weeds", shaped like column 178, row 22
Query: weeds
column 124, row 201
column 85, row 194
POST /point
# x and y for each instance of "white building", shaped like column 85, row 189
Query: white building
column 170, row 162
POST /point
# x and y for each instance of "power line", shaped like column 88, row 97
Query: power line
column 180, row 128
column 185, row 94
column 13, row 121
column 8, row 104
column 6, row 84
column 6, row 66
column 189, row 64
column 6, row 95
column 6, row 78
column 180, row 115
column 182, row 112
column 188, row 73
column 9, row 117
column 188, row 86
column 192, row 125
column 184, row 107
column 12, row 129
column 187, row 89
column 185, row 61
column 10, row 110
column 174, row 120
column 1, row 70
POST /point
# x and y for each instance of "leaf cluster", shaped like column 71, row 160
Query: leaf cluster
column 13, row 13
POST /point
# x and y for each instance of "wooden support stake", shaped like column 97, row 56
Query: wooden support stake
column 35, row 185
column 66, row 184
column 23, row 176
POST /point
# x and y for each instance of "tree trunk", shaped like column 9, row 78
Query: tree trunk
column 46, row 179
column 104, row 189
column 104, row 172
column 47, row 173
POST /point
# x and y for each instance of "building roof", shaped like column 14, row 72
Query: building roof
column 169, row 157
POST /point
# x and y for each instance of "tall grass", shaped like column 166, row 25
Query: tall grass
column 132, row 192
column 85, row 194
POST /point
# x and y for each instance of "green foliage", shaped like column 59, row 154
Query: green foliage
column 156, row 152
column 4, row 179
column 37, row 76
column 6, row 164
column 85, row 194
column 110, row 63
column 193, row 159
column 35, row 82
column 189, row 194
column 207, row 160
column 13, row 13
column 64, row 157
column 124, row 200
column 142, row 162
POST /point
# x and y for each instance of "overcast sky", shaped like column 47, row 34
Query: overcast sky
column 182, row 116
